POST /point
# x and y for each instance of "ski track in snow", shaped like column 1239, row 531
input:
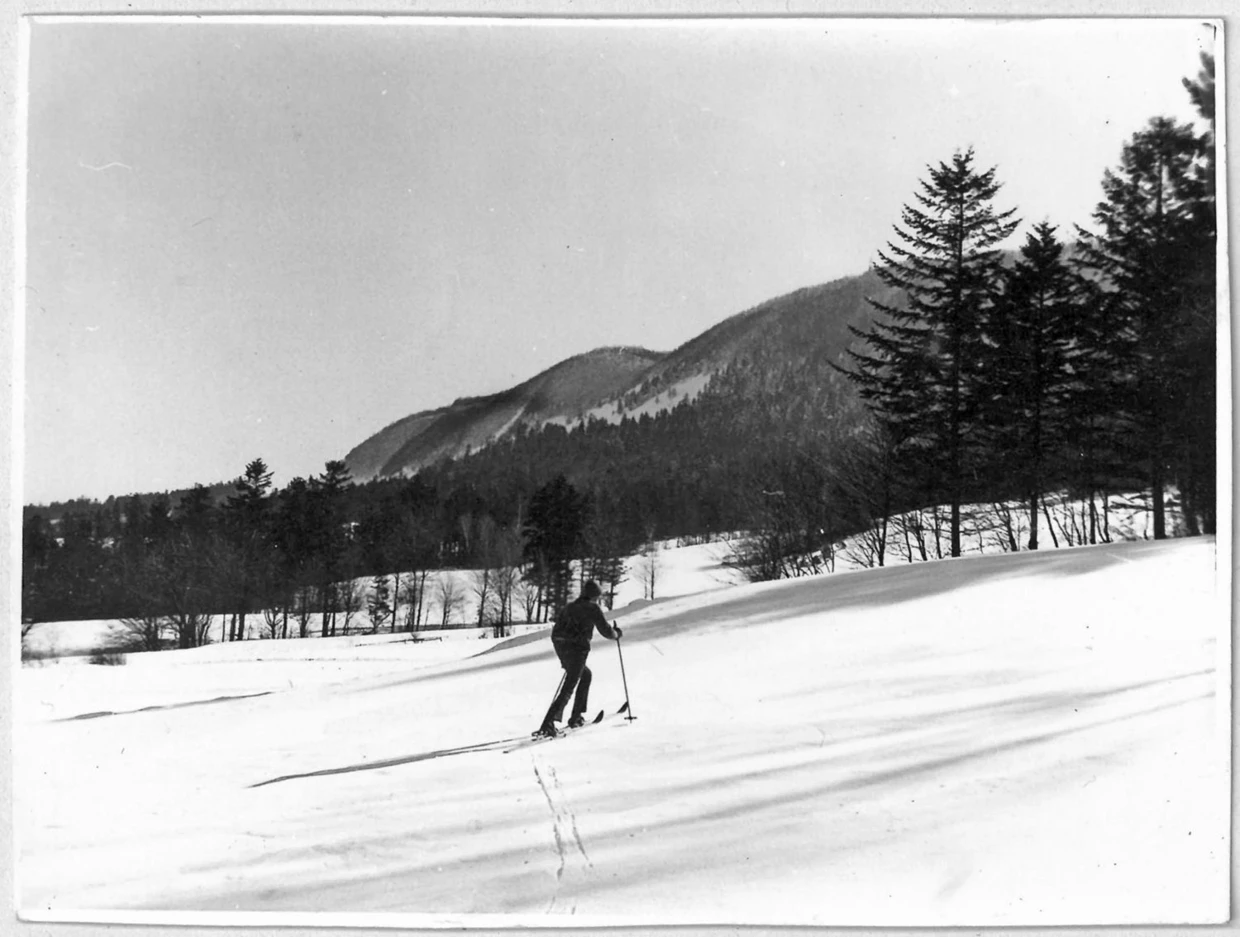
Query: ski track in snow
column 563, row 827
column 156, row 708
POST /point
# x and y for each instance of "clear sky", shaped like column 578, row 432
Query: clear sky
column 252, row 238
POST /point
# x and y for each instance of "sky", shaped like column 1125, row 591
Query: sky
column 874, row 747
column 257, row 238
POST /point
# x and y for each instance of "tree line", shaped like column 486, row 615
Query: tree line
column 298, row 555
column 1069, row 371
column 1081, row 365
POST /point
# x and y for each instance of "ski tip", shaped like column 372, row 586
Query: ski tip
column 599, row 718
column 623, row 709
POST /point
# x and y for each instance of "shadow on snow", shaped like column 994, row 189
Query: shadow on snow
column 160, row 708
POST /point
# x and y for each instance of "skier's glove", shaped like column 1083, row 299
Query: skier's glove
column 619, row 633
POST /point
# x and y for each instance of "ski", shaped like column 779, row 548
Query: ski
column 537, row 739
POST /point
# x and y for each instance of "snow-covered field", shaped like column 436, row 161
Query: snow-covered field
column 1032, row 738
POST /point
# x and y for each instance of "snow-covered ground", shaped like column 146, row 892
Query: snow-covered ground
column 1032, row 738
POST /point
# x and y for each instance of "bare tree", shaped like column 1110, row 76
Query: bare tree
column 450, row 596
column 144, row 629
column 413, row 589
column 1007, row 527
column 273, row 617
column 483, row 582
column 506, row 575
column 527, row 595
column 184, row 589
column 350, row 595
column 759, row 557
column 537, row 577
column 486, row 537
column 913, row 528
column 868, row 548
column 305, row 601
column 143, row 632
column 377, row 607
column 648, row 565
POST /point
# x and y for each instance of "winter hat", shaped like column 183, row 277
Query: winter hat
column 591, row 590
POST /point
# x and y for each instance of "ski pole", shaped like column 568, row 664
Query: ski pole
column 627, row 709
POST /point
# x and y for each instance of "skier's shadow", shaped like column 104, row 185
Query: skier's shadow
column 497, row 744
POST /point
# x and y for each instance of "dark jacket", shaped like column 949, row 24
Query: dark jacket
column 574, row 626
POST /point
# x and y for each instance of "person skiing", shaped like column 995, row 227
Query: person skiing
column 571, row 634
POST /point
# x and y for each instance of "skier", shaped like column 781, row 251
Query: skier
column 571, row 634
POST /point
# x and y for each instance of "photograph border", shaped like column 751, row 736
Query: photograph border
column 12, row 261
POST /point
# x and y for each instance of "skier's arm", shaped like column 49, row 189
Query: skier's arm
column 607, row 630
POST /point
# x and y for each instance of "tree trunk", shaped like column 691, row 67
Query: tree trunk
column 1188, row 507
column 1049, row 525
column 1159, row 501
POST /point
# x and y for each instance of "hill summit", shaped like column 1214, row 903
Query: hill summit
column 805, row 327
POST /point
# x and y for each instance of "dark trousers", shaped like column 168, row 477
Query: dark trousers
column 577, row 677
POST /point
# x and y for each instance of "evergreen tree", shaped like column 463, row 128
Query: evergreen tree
column 603, row 551
column 1196, row 358
column 195, row 513
column 554, row 534
column 189, row 557
column 1201, row 91
column 918, row 374
column 1095, row 431
column 1031, row 335
column 331, row 534
column 379, row 605
column 39, row 552
column 293, row 535
column 249, row 528
column 1148, row 254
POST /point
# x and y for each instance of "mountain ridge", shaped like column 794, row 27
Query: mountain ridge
column 562, row 390
column 614, row 382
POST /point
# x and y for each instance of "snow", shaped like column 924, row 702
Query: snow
column 614, row 412
column 1011, row 739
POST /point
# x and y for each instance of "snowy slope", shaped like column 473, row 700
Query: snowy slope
column 1013, row 739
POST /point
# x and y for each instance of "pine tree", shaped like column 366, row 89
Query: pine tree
column 555, row 533
column 293, row 536
column 249, row 528
column 331, row 534
column 1031, row 335
column 1095, row 430
column 1147, row 254
column 918, row 374
column 1196, row 354
column 379, row 604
